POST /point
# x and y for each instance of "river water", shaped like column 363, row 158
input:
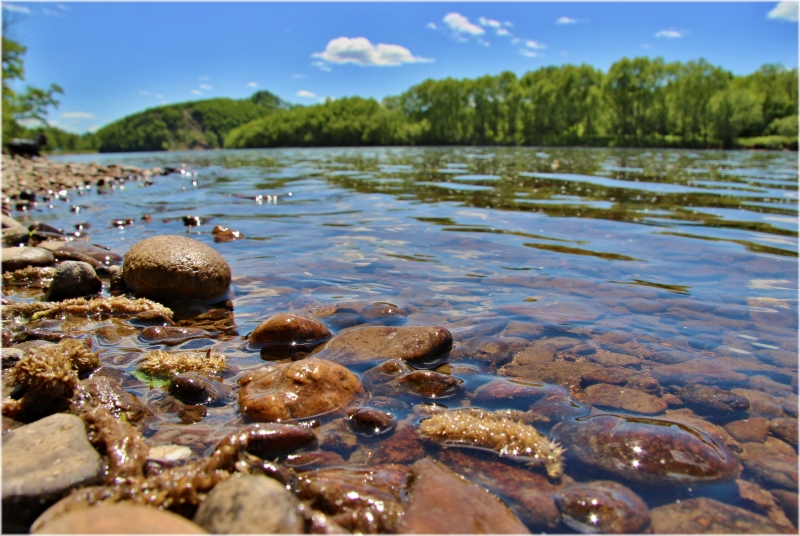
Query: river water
column 627, row 259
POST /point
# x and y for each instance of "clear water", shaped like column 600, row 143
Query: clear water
column 470, row 237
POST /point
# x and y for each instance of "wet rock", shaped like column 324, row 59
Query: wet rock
column 24, row 256
column 404, row 446
column 15, row 236
column 765, row 404
column 512, row 394
column 157, row 318
column 103, row 391
column 173, row 268
column 194, row 388
column 42, row 462
column 268, row 440
column 11, row 356
column 252, row 504
column 530, row 494
column 712, row 401
column 223, row 234
column 700, row 371
column 784, row 429
column 316, row 459
column 171, row 335
column 385, row 372
column 119, row 519
column 748, row 430
column 625, row 398
column 366, row 501
column 603, row 506
column 443, row 502
column 387, row 314
column 424, row 383
column 770, row 465
column 82, row 251
column 304, row 388
column 787, row 500
column 535, row 353
column 73, row 279
column 494, row 351
column 421, row 346
column 707, row 516
column 370, row 422
column 779, row 358
column 649, row 452
column 559, row 405
column 285, row 334
column 762, row 501
column 605, row 357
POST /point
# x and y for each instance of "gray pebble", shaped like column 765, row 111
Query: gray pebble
column 73, row 279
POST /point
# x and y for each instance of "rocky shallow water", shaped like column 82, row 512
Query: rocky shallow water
column 401, row 340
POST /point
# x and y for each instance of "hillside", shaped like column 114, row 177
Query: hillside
column 189, row 125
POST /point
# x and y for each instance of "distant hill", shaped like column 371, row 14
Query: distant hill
column 189, row 125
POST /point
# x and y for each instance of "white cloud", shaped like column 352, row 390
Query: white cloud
column 252, row 84
column 196, row 92
column 431, row 26
column 670, row 34
column 306, row 94
column 531, row 53
column 78, row 115
column 566, row 20
column 785, row 11
column 503, row 32
column 483, row 21
column 461, row 24
column 205, row 87
column 30, row 122
column 322, row 65
column 17, row 9
column 534, row 45
column 516, row 40
column 360, row 51
column 51, row 13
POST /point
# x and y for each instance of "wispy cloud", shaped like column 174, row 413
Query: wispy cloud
column 252, row 84
column 483, row 21
column 205, row 87
column 566, row 20
column 360, row 51
column 306, row 94
column 531, row 53
column 51, row 12
column 502, row 32
column 461, row 24
column 431, row 26
column 670, row 34
column 196, row 92
column 321, row 65
column 15, row 8
column 534, row 45
column 784, row 11
column 484, row 43
column 78, row 115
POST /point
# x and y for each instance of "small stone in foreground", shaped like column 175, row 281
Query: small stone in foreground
column 41, row 463
column 119, row 519
column 250, row 504
column 73, row 279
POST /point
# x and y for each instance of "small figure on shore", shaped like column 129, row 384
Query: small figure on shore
column 26, row 147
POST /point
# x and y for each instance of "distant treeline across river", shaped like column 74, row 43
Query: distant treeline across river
column 639, row 102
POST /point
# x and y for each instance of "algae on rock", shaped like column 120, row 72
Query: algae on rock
column 161, row 363
column 83, row 307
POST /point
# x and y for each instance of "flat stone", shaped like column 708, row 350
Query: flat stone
column 42, row 462
column 73, row 279
column 748, row 430
column 702, row 371
column 602, row 506
column 422, row 346
column 785, row 429
column 443, row 502
column 119, row 519
column 172, row 268
column 770, row 467
column 765, row 404
column 284, row 334
column 657, row 452
column 707, row 516
column 304, row 388
column 24, row 256
column 712, row 401
column 82, row 251
column 625, row 398
column 787, row 500
column 252, row 504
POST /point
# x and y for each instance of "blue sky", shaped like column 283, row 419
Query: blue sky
column 117, row 58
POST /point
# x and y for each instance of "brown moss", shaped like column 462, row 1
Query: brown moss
column 494, row 431
column 161, row 363
column 30, row 276
column 47, row 378
column 83, row 307
column 120, row 442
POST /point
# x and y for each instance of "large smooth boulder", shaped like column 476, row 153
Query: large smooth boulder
column 171, row 268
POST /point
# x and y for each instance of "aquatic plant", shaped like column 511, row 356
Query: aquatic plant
column 83, row 307
column 494, row 431
column 47, row 378
column 161, row 363
column 30, row 277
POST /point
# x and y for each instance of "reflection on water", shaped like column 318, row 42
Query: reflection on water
column 648, row 270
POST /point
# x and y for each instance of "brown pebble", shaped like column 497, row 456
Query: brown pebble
column 748, row 430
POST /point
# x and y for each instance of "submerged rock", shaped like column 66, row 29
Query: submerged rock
column 193, row 388
column 443, row 502
column 712, row 401
column 421, row 346
column 73, row 279
column 268, row 440
column 707, row 516
column 370, row 422
column 297, row 390
column 171, row 335
column 172, row 268
column 384, row 313
column 285, row 334
column 650, row 452
column 625, row 398
column 252, row 504
column 42, row 462
column 603, row 506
